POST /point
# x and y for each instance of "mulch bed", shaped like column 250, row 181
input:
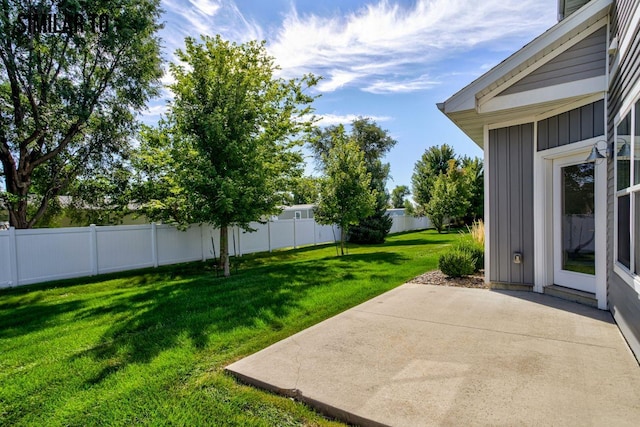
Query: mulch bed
column 436, row 277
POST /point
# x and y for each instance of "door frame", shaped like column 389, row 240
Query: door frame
column 571, row 279
column 543, row 186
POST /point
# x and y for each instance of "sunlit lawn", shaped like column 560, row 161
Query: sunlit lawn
column 149, row 347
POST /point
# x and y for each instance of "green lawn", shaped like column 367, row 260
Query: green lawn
column 149, row 347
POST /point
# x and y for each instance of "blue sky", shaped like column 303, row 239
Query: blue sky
column 388, row 60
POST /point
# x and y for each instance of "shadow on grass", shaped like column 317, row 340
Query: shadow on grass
column 204, row 308
column 16, row 321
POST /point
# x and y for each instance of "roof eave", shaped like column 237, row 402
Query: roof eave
column 465, row 99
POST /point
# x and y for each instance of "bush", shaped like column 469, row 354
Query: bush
column 457, row 263
column 371, row 230
column 474, row 249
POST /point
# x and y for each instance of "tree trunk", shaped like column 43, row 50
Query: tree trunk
column 342, row 238
column 224, row 250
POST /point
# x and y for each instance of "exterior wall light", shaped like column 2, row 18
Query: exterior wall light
column 596, row 154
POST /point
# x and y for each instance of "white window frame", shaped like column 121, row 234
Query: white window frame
column 633, row 190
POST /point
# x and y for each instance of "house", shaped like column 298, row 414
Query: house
column 559, row 124
column 295, row 212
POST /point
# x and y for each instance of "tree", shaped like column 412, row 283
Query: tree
column 374, row 142
column 449, row 197
column 398, row 194
column 434, row 161
column 473, row 171
column 305, row 190
column 229, row 145
column 69, row 93
column 346, row 196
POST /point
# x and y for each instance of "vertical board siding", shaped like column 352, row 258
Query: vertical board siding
column 624, row 302
column 584, row 60
column 576, row 125
column 510, row 178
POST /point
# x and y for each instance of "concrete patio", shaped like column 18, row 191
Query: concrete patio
column 424, row 355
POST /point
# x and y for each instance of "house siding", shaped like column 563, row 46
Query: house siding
column 510, row 180
column 584, row 60
column 571, row 6
column 624, row 302
column 576, row 125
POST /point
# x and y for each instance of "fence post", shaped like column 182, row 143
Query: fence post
column 314, row 232
column 154, row 244
column 93, row 249
column 269, row 234
column 294, row 232
column 239, row 245
column 202, row 243
column 13, row 256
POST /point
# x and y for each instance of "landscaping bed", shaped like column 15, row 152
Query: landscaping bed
column 436, row 277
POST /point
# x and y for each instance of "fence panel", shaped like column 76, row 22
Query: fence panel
column 5, row 266
column 282, row 234
column 50, row 254
column 124, row 247
column 257, row 241
column 175, row 246
column 304, row 232
column 327, row 233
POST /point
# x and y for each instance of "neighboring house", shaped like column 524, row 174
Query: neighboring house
column 559, row 123
column 296, row 212
column 395, row 212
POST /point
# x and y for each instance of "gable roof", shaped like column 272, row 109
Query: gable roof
column 475, row 105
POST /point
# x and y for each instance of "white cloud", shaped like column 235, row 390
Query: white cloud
column 395, row 86
column 389, row 44
column 346, row 119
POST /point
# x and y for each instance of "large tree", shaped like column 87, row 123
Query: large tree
column 304, row 190
column 433, row 162
column 449, row 197
column 231, row 135
column 346, row 196
column 397, row 196
column 375, row 143
column 473, row 171
column 69, row 89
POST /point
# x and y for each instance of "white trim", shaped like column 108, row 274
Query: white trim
column 487, row 210
column 465, row 99
column 543, row 215
column 571, row 279
column 626, row 276
column 568, row 149
column 509, row 123
column 559, row 92
column 559, row 50
column 541, row 277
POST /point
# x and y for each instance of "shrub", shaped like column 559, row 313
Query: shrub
column 371, row 230
column 474, row 249
column 457, row 263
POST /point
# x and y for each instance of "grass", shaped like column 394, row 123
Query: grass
column 149, row 347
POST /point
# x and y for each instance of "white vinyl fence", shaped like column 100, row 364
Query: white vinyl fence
column 40, row 255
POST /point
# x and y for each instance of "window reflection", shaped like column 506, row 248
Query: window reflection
column 622, row 145
column 578, row 220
